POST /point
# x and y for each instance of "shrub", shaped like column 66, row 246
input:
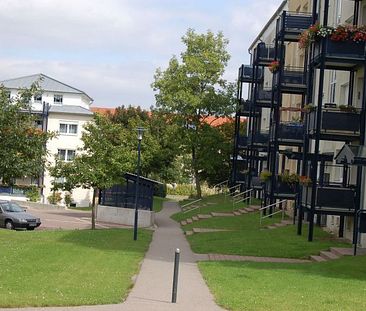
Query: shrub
column 68, row 199
column 265, row 175
column 54, row 198
column 33, row 194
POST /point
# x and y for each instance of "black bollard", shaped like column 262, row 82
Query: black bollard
column 175, row 276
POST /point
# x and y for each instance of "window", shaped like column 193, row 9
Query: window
column 333, row 83
column 68, row 128
column 57, row 99
column 66, row 155
column 37, row 98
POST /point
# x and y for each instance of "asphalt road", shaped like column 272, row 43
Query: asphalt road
column 67, row 219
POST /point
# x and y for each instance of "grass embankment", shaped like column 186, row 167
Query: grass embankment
column 332, row 285
column 214, row 203
column 61, row 268
column 247, row 238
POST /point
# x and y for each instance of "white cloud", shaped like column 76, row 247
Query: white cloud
column 111, row 48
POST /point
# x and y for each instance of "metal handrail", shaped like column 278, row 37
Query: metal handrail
column 190, row 203
column 261, row 217
column 225, row 182
column 249, row 197
column 234, row 187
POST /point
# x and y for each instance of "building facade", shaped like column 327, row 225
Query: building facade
column 306, row 109
column 64, row 110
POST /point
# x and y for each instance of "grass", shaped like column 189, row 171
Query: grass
column 246, row 238
column 158, row 204
column 332, row 285
column 214, row 203
column 61, row 268
column 81, row 208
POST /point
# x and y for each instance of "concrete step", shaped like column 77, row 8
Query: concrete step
column 287, row 222
column 271, row 227
column 328, row 255
column 189, row 232
column 183, row 223
column 255, row 207
column 279, row 224
column 317, row 258
column 249, row 209
column 195, row 218
column 218, row 214
column 189, row 221
column 206, row 230
column 237, row 213
column 204, row 216
column 242, row 211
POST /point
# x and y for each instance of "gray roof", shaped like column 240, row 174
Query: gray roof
column 46, row 84
column 70, row 109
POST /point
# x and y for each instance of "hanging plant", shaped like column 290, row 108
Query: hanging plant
column 265, row 175
column 274, row 66
column 346, row 108
column 305, row 180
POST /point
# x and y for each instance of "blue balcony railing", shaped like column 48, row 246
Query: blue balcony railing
column 260, row 138
column 242, row 141
column 264, row 53
column 291, row 78
column 336, row 122
column 292, row 24
column 246, row 74
column 289, row 132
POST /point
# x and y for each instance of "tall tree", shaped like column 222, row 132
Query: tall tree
column 22, row 145
column 192, row 89
column 107, row 154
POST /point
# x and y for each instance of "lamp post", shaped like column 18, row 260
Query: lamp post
column 140, row 130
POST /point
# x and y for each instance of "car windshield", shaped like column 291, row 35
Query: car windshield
column 11, row 207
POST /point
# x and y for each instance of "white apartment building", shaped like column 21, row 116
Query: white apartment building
column 65, row 111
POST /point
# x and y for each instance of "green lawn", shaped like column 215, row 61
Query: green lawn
column 246, row 238
column 332, row 285
column 214, row 203
column 60, row 268
column 81, row 208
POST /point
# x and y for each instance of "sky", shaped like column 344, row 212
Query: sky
column 110, row 49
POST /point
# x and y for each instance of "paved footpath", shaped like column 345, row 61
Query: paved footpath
column 153, row 287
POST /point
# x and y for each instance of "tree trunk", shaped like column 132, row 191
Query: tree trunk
column 196, row 175
column 95, row 195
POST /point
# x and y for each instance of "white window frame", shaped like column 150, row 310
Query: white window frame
column 332, row 87
column 68, row 124
column 66, row 157
column 57, row 102
column 37, row 101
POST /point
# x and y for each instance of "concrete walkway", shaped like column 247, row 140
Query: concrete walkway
column 152, row 290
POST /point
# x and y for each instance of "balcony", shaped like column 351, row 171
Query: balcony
column 341, row 55
column 263, row 99
column 246, row 109
column 242, row 142
column 336, row 125
column 264, row 54
column 291, row 80
column 289, row 134
column 260, row 140
column 282, row 190
column 246, row 74
column 331, row 200
column 291, row 24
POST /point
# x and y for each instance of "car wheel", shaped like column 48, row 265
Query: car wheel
column 9, row 225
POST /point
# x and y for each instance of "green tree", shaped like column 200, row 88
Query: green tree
column 107, row 154
column 192, row 89
column 159, row 146
column 22, row 145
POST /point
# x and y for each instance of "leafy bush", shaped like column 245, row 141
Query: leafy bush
column 54, row 198
column 33, row 194
column 182, row 189
column 265, row 175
